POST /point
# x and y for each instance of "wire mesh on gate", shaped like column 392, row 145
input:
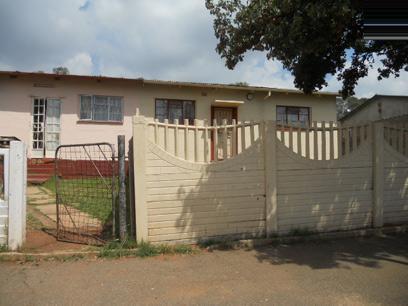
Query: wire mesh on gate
column 86, row 179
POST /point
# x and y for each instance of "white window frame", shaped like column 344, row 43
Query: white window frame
column 92, row 108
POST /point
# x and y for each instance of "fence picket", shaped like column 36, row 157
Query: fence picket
column 166, row 133
column 176, row 131
column 291, row 137
column 354, row 138
column 234, row 138
column 186, row 140
column 324, row 156
column 196, row 140
column 252, row 131
column 299, row 140
column 307, row 144
column 315, row 146
column 331, row 139
column 156, row 131
column 347, row 141
column 243, row 144
column 206, row 153
column 215, row 137
column 224, row 139
column 339, row 141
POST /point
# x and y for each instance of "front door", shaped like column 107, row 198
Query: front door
column 46, row 127
column 220, row 114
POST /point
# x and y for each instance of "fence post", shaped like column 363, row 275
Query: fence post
column 17, row 195
column 139, row 159
column 269, row 145
column 122, row 188
column 378, row 173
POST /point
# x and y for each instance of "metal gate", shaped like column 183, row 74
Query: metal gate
column 86, row 184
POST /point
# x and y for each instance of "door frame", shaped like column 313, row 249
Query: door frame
column 234, row 116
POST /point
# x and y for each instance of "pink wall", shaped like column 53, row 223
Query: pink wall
column 16, row 96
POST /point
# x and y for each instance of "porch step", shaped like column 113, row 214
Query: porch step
column 40, row 170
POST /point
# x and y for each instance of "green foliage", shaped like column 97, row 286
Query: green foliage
column 310, row 39
column 60, row 70
column 116, row 249
column 344, row 106
column 183, row 249
column 146, row 249
column 3, row 248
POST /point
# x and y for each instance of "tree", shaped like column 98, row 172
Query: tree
column 60, row 70
column 312, row 39
column 344, row 106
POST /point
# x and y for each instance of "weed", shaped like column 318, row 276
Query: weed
column 183, row 249
column 301, row 231
column 33, row 222
column 165, row 249
column 146, row 249
column 3, row 248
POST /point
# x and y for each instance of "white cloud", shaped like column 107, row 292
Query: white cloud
column 369, row 86
column 81, row 63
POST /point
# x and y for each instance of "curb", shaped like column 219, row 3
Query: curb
column 244, row 243
column 253, row 243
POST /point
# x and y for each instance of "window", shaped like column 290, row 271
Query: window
column 101, row 108
column 175, row 109
column 293, row 115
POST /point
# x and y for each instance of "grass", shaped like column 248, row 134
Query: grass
column 3, row 248
column 89, row 195
column 129, row 248
column 33, row 222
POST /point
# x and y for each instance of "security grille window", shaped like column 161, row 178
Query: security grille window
column 292, row 115
column 175, row 109
column 101, row 108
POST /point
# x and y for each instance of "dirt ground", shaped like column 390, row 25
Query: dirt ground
column 372, row 271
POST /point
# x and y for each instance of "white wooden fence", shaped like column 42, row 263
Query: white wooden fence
column 13, row 177
column 253, row 179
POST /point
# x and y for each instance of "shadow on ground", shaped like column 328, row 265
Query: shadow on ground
column 367, row 252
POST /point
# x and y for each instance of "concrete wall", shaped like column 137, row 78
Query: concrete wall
column 324, row 195
column 395, row 186
column 382, row 107
column 16, row 96
column 267, row 188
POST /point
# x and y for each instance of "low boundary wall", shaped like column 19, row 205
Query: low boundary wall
column 267, row 182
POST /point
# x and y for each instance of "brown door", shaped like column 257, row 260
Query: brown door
column 219, row 114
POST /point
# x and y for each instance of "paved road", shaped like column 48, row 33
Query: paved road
column 344, row 272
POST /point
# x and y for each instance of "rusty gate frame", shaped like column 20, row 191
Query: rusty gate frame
column 58, row 198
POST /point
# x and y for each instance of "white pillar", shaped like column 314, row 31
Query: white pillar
column 17, row 195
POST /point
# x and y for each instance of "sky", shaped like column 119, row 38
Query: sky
column 160, row 39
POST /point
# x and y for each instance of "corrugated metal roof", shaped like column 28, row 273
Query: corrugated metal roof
column 168, row 83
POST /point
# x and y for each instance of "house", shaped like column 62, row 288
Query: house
column 379, row 107
column 46, row 110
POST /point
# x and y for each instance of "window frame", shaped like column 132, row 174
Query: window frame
column 309, row 112
column 190, row 120
column 91, row 120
